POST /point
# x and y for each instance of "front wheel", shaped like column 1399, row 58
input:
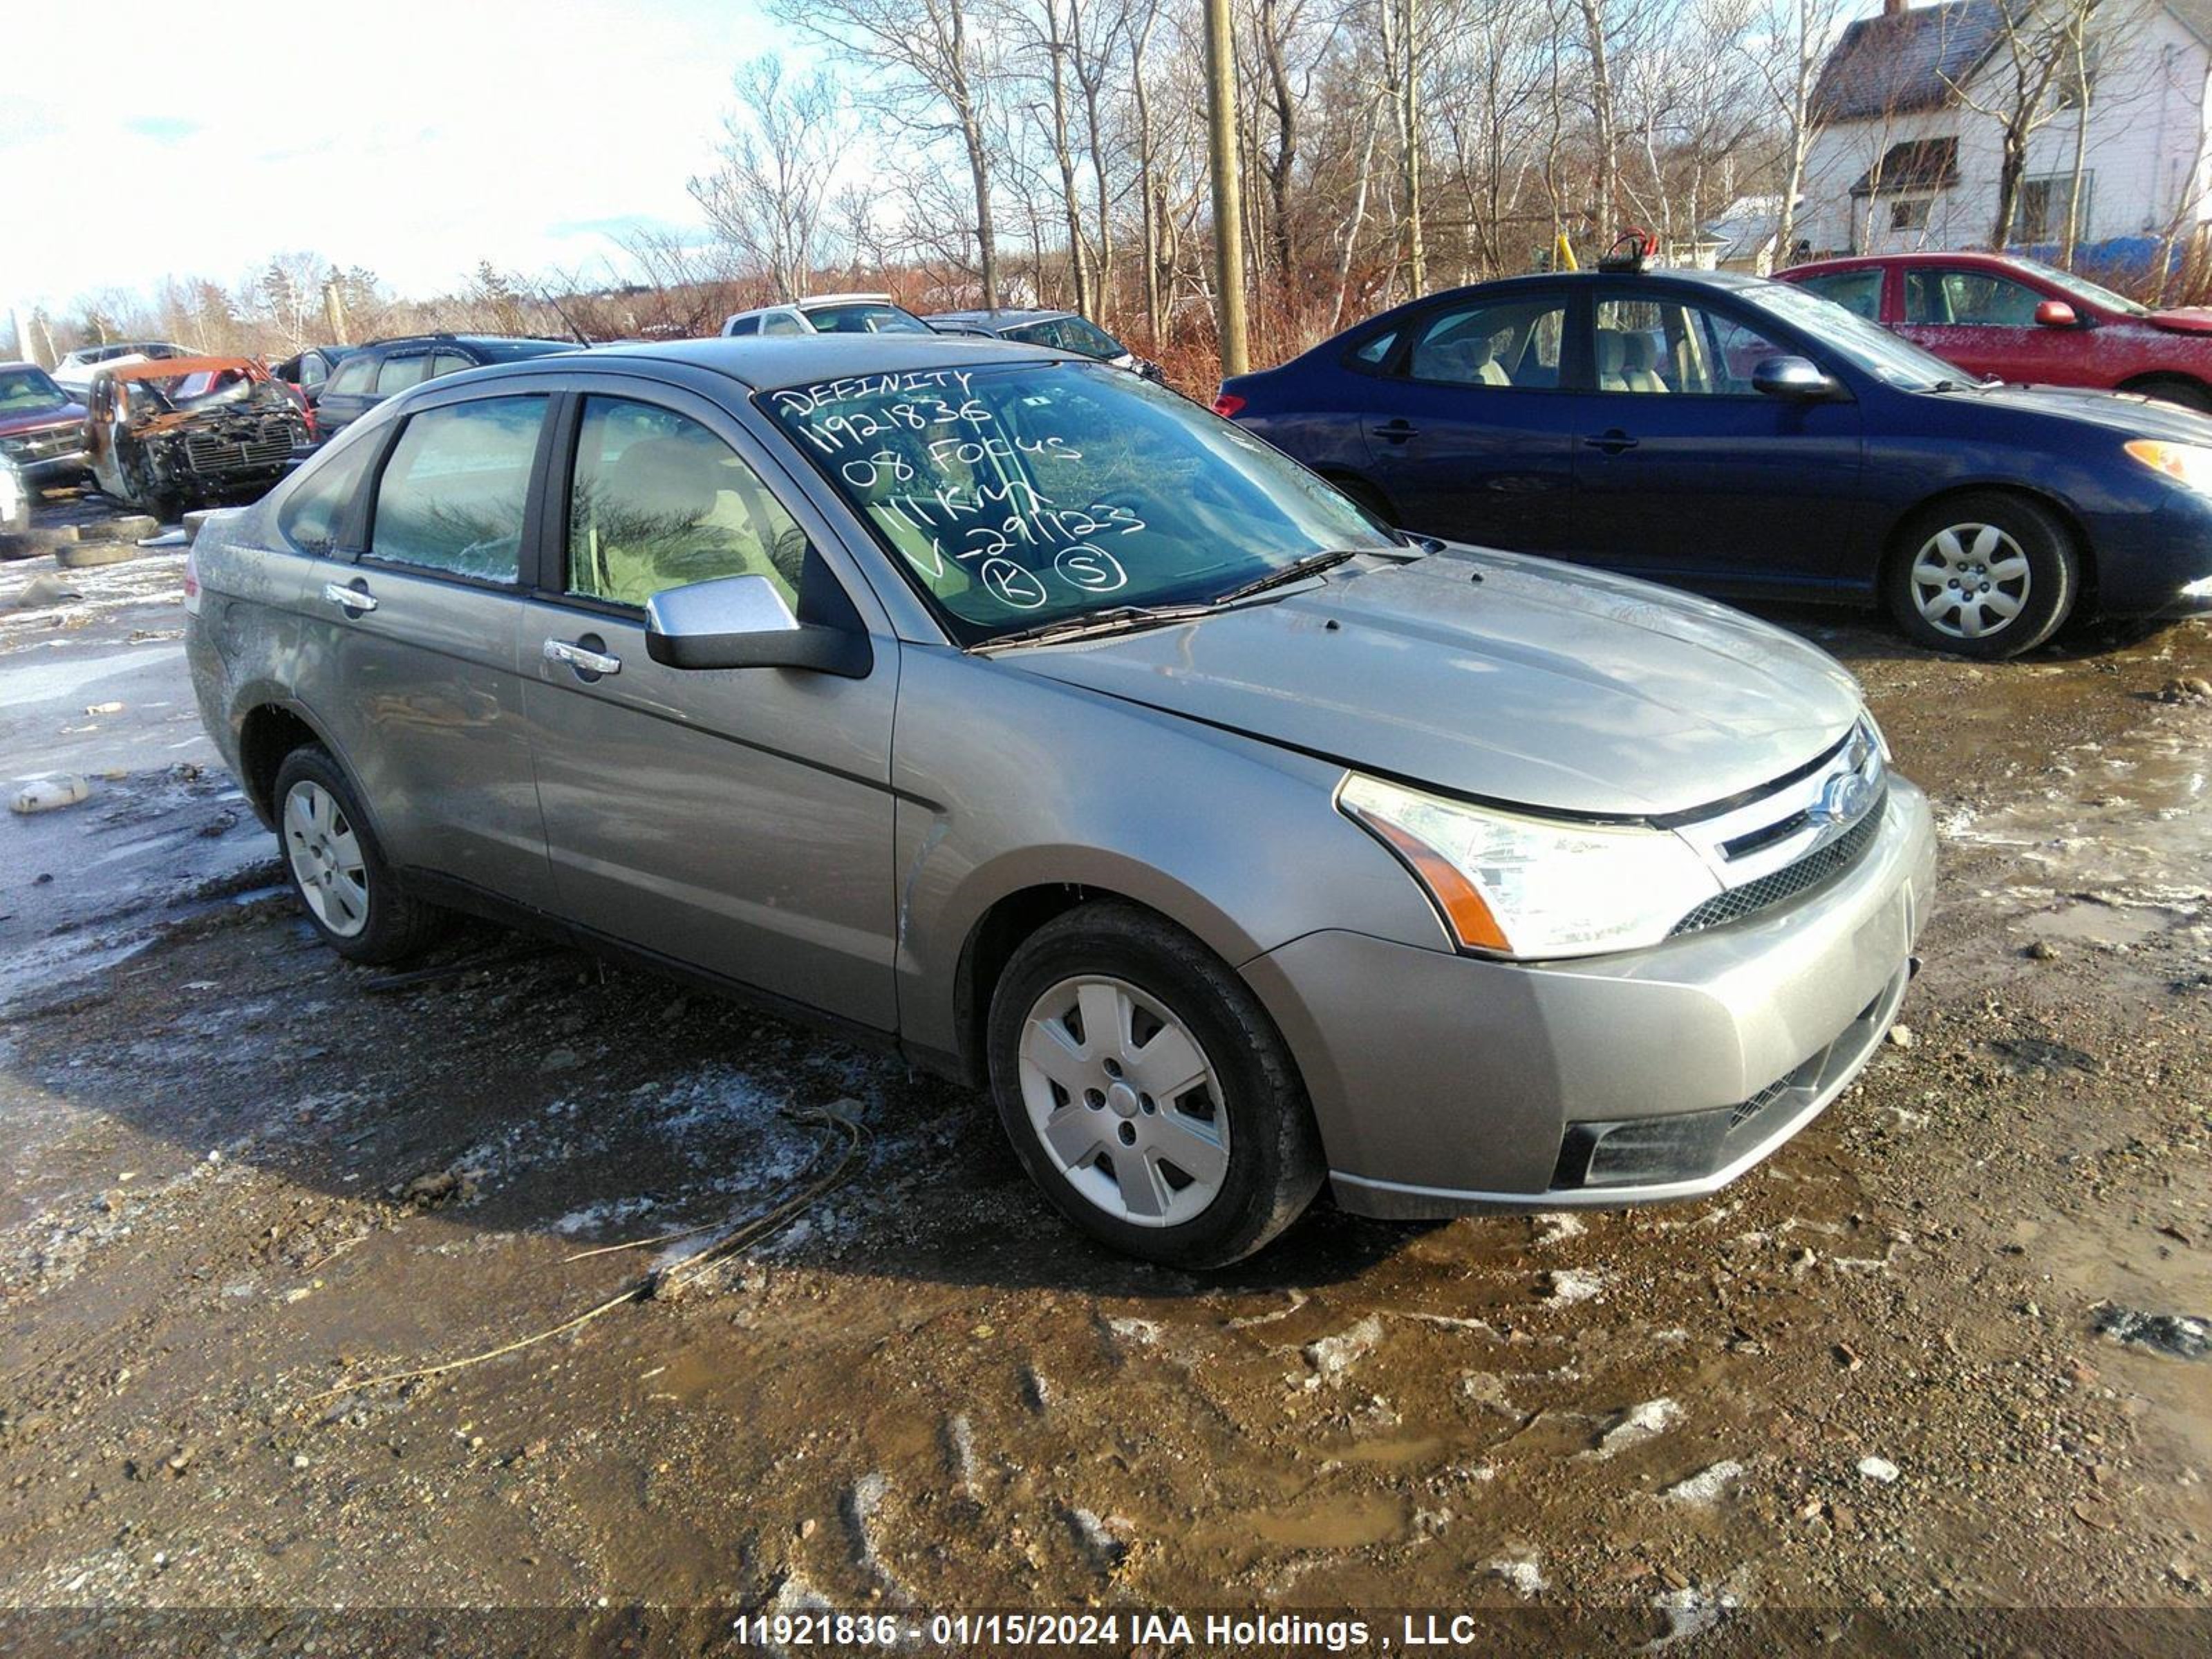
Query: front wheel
column 1147, row 1091
column 1983, row 575
column 337, row 871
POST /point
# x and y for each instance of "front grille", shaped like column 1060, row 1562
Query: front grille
column 43, row 445
column 268, row 444
column 1822, row 864
column 1758, row 1102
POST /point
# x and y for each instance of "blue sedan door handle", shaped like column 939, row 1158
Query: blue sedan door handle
column 1612, row 442
column 1397, row 431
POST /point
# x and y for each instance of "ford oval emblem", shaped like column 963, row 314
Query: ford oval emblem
column 1845, row 800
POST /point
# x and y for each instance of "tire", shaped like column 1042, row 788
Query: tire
column 1238, row 1121
column 2010, row 557
column 336, row 868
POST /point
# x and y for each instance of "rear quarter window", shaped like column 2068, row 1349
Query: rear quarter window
column 313, row 516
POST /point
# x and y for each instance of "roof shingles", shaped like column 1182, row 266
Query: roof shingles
column 1885, row 65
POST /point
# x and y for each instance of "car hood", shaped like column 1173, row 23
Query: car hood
column 1493, row 676
column 2127, row 413
column 40, row 419
column 2188, row 320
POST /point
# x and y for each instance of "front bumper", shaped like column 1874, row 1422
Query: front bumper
column 1444, row 1084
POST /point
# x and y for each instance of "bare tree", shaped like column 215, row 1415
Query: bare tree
column 934, row 70
column 2021, row 89
column 768, row 197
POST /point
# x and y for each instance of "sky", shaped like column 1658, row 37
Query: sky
column 411, row 137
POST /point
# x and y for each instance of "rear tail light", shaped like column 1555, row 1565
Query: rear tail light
column 191, row 582
column 1227, row 404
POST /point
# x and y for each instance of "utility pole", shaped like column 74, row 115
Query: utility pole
column 1228, row 205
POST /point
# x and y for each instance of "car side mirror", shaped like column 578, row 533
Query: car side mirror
column 2056, row 314
column 1799, row 379
column 742, row 622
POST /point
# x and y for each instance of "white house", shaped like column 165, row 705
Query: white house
column 1908, row 147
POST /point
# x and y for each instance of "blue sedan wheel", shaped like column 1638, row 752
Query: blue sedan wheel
column 1985, row 574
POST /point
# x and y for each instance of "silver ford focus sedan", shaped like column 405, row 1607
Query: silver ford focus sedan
column 1011, row 711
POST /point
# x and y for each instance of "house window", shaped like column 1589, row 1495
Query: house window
column 1912, row 214
column 2041, row 215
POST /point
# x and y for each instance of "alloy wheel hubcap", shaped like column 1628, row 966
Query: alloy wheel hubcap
column 1970, row 580
column 1124, row 1101
column 327, row 860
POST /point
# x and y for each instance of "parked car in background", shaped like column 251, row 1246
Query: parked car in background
column 1055, row 330
column 827, row 313
column 2009, row 318
column 42, row 429
column 310, row 368
column 165, row 436
column 75, row 371
column 1749, row 438
column 370, row 373
column 1019, row 715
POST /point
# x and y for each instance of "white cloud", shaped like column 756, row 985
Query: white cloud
column 415, row 138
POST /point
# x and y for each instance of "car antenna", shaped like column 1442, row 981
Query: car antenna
column 582, row 338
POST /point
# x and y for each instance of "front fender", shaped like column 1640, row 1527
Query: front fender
column 1009, row 782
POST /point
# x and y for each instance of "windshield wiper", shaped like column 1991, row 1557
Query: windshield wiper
column 1312, row 565
column 1114, row 619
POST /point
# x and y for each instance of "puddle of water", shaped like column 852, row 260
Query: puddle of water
column 1347, row 1521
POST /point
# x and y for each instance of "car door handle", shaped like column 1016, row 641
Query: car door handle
column 584, row 659
column 355, row 600
column 1611, row 443
column 1397, row 431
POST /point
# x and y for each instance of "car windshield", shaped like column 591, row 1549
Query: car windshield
column 866, row 318
column 26, row 391
column 1069, row 334
column 1031, row 494
column 2082, row 289
column 1868, row 345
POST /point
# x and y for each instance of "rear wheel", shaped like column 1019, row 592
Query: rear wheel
column 1983, row 575
column 1147, row 1091
column 337, row 871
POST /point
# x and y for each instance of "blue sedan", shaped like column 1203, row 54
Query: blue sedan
column 1748, row 439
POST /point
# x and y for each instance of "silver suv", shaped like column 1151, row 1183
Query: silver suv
column 1021, row 715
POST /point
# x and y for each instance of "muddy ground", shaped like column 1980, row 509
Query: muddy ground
column 1867, row 1383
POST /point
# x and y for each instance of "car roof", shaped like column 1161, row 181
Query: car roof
column 4, row 368
column 773, row 363
column 1876, row 261
column 1008, row 316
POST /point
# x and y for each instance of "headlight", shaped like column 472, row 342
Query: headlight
column 1533, row 887
column 2189, row 465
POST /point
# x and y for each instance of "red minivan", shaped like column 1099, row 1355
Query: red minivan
column 2016, row 319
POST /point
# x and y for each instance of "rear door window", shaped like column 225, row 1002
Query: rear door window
column 351, row 379
column 400, row 372
column 1858, row 292
column 452, row 495
column 1505, row 344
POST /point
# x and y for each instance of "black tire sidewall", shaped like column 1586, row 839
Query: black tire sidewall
column 1274, row 1160
column 392, row 928
column 2054, row 580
